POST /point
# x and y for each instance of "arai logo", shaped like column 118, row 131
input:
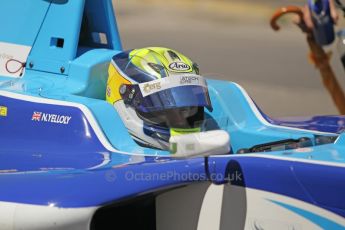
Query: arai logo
column 179, row 66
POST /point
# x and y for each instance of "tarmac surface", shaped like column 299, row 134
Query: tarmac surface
column 232, row 40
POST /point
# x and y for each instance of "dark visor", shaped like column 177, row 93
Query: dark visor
column 176, row 97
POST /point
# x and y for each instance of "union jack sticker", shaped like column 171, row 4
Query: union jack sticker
column 36, row 116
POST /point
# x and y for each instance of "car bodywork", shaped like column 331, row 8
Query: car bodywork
column 68, row 162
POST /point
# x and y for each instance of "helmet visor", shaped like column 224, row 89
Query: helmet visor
column 182, row 118
column 168, row 93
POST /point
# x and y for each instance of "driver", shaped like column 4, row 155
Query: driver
column 158, row 93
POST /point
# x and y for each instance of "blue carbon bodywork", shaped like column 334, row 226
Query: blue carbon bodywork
column 302, row 175
column 332, row 124
column 96, row 187
column 62, row 144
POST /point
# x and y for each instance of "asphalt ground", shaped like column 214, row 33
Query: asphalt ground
column 232, row 40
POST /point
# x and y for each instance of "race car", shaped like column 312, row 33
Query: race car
column 96, row 137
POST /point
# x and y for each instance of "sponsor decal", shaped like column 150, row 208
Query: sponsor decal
column 3, row 111
column 8, row 171
column 108, row 91
column 6, row 56
column 184, row 80
column 51, row 118
column 304, row 150
column 190, row 147
column 171, row 82
column 148, row 88
column 179, row 66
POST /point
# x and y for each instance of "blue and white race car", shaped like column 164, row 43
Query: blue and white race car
column 70, row 160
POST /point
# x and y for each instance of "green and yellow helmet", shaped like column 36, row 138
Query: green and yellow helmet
column 162, row 62
column 164, row 89
column 144, row 65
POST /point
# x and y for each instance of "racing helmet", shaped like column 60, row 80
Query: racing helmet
column 157, row 92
